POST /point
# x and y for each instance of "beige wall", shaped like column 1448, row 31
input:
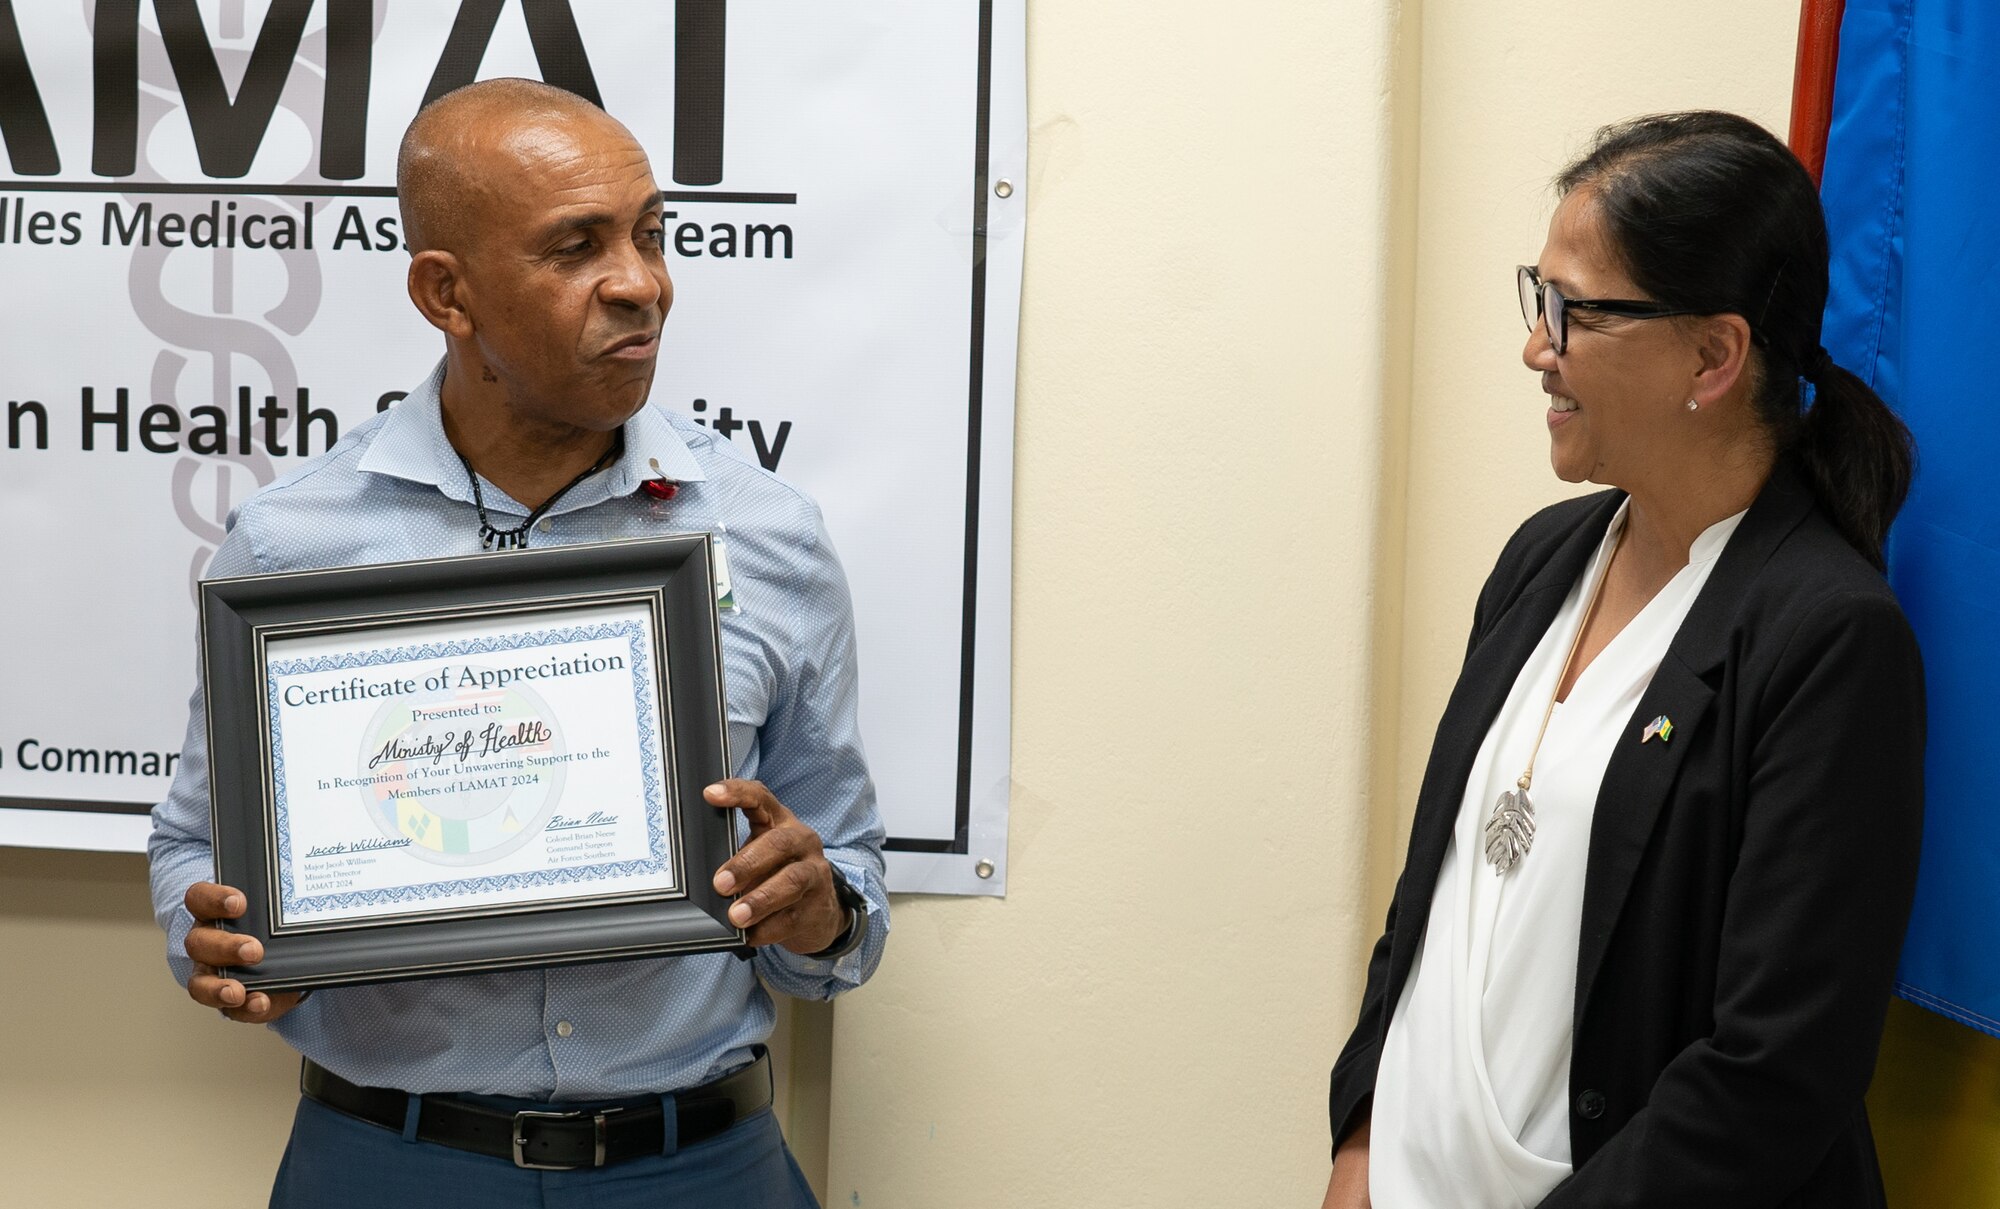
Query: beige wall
column 1146, row 1019
column 115, row 1089
column 1272, row 431
column 1345, row 422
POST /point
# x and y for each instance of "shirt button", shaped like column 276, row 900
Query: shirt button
column 564, row 1028
column 1590, row 1105
column 546, row 526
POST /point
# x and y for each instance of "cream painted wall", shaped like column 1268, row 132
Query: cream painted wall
column 1148, row 1017
column 115, row 1089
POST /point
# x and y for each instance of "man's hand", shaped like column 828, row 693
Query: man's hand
column 1348, row 1187
column 782, row 883
column 211, row 947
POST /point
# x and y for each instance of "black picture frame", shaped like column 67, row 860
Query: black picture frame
column 672, row 575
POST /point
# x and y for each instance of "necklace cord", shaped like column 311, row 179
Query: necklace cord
column 517, row 537
column 1589, row 611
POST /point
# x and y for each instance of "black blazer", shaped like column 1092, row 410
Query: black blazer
column 1748, row 880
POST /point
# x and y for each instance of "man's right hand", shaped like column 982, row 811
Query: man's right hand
column 212, row 947
column 1348, row 1188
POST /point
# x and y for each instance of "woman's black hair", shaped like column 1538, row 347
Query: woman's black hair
column 1711, row 213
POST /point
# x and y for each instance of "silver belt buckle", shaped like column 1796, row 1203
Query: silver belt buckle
column 521, row 1159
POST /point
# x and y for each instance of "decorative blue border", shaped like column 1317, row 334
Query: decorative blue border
column 649, row 763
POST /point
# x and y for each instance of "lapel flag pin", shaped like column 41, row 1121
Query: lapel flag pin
column 1661, row 726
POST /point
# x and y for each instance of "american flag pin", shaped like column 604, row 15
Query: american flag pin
column 1661, row 727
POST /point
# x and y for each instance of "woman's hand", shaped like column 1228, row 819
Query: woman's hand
column 1348, row 1188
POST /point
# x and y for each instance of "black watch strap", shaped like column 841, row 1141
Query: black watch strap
column 856, row 931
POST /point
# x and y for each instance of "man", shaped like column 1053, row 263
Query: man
column 538, row 250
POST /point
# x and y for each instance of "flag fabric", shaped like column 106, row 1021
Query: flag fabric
column 1912, row 193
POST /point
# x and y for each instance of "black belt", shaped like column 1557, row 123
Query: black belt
column 553, row 1140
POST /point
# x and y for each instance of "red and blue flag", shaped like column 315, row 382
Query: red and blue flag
column 1911, row 185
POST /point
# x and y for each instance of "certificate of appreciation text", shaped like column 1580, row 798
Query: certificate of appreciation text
column 505, row 760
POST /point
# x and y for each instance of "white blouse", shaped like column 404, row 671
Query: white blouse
column 1472, row 1094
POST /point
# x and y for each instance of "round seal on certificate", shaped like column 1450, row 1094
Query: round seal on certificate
column 474, row 773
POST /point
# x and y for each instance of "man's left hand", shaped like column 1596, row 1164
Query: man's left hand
column 781, row 879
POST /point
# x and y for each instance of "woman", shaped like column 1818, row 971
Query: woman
column 1666, row 842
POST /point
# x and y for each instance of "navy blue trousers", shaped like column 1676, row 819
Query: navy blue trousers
column 336, row 1162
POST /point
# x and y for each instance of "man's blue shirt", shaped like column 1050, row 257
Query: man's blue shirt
column 394, row 489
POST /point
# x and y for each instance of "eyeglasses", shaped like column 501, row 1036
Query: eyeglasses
column 1540, row 300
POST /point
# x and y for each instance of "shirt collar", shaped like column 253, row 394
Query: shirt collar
column 1706, row 545
column 653, row 450
column 1714, row 538
column 412, row 445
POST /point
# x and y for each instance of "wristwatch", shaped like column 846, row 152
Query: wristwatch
column 856, row 931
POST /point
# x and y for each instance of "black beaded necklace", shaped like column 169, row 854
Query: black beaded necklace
column 517, row 537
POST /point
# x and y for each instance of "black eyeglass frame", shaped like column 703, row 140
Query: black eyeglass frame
column 1527, row 276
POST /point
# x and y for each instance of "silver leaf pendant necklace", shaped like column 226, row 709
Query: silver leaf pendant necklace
column 1510, row 831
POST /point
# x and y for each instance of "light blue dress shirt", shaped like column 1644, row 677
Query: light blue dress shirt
column 394, row 489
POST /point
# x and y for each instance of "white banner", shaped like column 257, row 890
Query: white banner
column 203, row 286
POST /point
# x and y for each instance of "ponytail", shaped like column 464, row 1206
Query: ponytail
column 1712, row 214
column 1857, row 455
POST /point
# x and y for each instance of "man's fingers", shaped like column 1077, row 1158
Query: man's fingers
column 260, row 1008
column 215, row 947
column 778, row 873
column 798, row 927
column 774, row 894
column 776, row 836
column 206, row 901
column 751, row 797
column 764, row 855
column 256, row 1009
column 775, row 929
column 210, row 991
column 229, row 996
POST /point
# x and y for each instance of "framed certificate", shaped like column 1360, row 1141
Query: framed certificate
column 469, row 764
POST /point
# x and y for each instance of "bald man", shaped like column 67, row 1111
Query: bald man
column 538, row 252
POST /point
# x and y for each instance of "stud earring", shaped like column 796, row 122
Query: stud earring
column 1693, row 406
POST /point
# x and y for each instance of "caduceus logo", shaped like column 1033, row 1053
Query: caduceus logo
column 176, row 72
column 465, row 775
column 205, row 488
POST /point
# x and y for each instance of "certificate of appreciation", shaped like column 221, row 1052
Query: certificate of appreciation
column 502, row 761
column 470, row 764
